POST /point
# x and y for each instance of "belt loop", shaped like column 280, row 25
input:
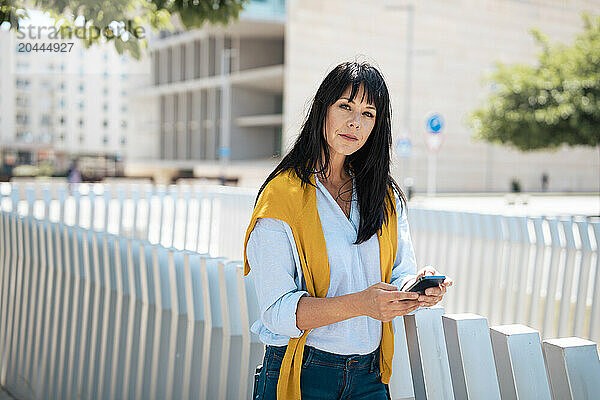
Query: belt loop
column 373, row 359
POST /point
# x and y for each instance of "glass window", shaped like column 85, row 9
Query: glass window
column 105, row 123
column 45, row 120
column 22, row 119
column 23, row 83
column 105, row 139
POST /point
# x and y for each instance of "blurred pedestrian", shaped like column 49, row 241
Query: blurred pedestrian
column 74, row 175
column 515, row 185
column 545, row 182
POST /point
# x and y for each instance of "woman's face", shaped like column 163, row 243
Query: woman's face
column 348, row 124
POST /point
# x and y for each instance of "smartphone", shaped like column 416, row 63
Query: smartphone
column 425, row 282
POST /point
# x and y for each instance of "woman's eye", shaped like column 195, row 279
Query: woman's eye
column 345, row 105
column 368, row 114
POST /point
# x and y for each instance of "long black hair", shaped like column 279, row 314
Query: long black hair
column 370, row 165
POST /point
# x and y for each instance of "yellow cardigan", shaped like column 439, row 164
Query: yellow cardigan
column 283, row 198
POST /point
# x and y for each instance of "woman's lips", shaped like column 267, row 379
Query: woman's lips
column 349, row 137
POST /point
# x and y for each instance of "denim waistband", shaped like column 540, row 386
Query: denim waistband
column 370, row 360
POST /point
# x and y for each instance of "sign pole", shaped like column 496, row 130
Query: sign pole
column 431, row 174
column 434, row 138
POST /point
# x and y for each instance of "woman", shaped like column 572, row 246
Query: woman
column 329, row 249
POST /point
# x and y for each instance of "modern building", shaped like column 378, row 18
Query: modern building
column 232, row 99
column 63, row 105
column 219, row 92
column 450, row 47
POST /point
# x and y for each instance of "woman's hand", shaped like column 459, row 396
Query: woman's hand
column 432, row 295
column 384, row 302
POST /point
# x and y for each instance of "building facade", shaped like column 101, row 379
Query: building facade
column 232, row 99
column 219, row 95
column 69, row 104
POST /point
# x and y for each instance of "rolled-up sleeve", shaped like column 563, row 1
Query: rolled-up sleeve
column 278, row 281
column 405, row 265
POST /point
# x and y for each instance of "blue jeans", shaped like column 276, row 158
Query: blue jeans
column 324, row 376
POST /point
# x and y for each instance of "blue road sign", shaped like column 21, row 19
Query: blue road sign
column 224, row 152
column 403, row 147
column 435, row 123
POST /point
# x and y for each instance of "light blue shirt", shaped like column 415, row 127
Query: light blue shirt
column 277, row 273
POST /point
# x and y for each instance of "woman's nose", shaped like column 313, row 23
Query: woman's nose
column 354, row 122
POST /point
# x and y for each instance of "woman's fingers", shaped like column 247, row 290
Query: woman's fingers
column 435, row 291
column 405, row 306
column 428, row 301
column 427, row 270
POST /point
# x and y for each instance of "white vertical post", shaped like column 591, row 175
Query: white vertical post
column 120, row 315
column 519, row 362
column 535, row 312
column 108, row 326
column 15, row 308
column 401, row 386
column 83, row 364
column 470, row 356
column 522, row 268
column 555, row 256
column 584, row 285
column 35, row 292
column 594, row 328
column 98, row 286
column 564, row 316
column 59, row 299
column 573, row 368
column 67, row 309
column 253, row 352
column 174, row 311
column 131, row 369
column 214, row 367
column 428, row 355
column 26, row 299
column 146, row 320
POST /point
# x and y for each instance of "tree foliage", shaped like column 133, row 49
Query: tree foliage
column 123, row 20
column 552, row 103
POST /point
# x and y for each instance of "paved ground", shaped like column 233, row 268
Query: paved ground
column 524, row 204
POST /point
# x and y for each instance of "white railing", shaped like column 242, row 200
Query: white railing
column 542, row 272
column 88, row 314
column 186, row 217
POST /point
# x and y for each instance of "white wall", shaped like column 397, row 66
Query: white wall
column 456, row 43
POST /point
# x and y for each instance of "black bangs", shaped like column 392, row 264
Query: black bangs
column 373, row 84
column 355, row 74
column 370, row 165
